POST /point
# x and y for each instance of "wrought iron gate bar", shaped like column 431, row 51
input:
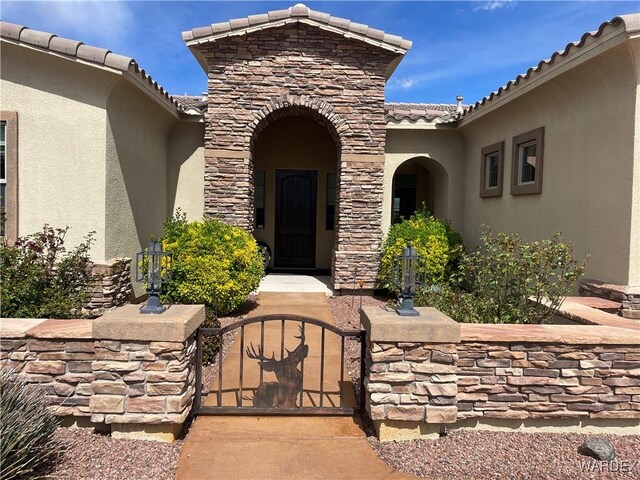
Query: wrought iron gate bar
column 279, row 397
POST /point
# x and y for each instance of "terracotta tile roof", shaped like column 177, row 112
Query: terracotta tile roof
column 196, row 102
column 297, row 13
column 420, row 111
column 76, row 50
column 393, row 111
column 630, row 24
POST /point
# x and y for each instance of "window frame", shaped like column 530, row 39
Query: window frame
column 256, row 224
column 535, row 137
column 485, row 191
column 330, row 213
column 11, row 171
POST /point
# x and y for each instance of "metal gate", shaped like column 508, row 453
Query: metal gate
column 300, row 376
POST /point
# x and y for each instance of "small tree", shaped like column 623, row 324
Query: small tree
column 41, row 279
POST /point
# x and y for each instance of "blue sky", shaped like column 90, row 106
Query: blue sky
column 467, row 48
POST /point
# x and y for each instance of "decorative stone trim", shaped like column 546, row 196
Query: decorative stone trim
column 112, row 287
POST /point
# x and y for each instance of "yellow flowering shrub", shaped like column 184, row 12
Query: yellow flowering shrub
column 212, row 263
column 435, row 241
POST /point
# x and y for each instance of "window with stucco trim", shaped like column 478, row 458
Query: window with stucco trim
column 260, row 185
column 9, row 175
column 527, row 162
column 330, row 212
column 492, row 170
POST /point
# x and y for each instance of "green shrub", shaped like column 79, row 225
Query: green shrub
column 26, row 429
column 212, row 263
column 40, row 279
column 509, row 281
column 435, row 241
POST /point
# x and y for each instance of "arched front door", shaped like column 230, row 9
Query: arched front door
column 295, row 227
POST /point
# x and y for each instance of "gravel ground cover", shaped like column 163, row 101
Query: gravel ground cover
column 472, row 455
column 345, row 311
column 99, row 457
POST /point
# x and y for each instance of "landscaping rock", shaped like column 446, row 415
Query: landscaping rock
column 598, row 448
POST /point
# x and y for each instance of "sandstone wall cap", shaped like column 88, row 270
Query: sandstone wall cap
column 432, row 326
column 127, row 323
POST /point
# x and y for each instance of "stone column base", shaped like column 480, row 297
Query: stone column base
column 398, row 430
column 165, row 432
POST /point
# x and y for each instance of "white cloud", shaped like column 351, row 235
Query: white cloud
column 104, row 23
column 406, row 83
column 495, row 5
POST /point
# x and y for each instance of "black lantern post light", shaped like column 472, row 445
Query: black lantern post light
column 152, row 267
column 408, row 273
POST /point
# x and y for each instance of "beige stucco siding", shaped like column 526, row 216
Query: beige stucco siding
column 136, row 170
column 61, row 141
column 634, row 252
column 185, row 176
column 589, row 115
column 441, row 151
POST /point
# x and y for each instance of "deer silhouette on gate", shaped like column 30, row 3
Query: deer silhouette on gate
column 284, row 392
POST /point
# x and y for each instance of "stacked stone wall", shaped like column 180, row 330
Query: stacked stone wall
column 530, row 381
column 110, row 381
column 412, row 382
column 61, row 368
column 445, row 383
column 112, row 288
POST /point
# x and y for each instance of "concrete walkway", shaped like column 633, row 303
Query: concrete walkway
column 282, row 447
column 283, row 282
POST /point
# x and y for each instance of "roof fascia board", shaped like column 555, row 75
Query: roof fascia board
column 549, row 71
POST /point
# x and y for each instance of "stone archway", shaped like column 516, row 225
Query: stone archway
column 295, row 146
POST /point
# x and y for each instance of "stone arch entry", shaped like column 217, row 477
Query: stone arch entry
column 302, row 147
column 317, row 109
column 419, row 179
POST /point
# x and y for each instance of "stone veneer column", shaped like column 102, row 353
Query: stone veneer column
column 144, row 372
column 359, row 229
column 411, row 385
column 229, row 186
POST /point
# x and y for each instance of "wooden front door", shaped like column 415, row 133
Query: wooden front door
column 295, row 242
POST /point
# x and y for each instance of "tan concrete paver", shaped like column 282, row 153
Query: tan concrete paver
column 253, row 447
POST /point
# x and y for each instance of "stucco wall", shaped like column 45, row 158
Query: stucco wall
column 297, row 143
column 61, row 142
column 589, row 118
column 185, row 175
column 441, row 151
column 136, row 170
column 634, row 254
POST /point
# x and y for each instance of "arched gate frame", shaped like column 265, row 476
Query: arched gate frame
column 284, row 385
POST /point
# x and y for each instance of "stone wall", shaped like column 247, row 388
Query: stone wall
column 113, row 287
column 62, row 368
column 412, row 382
column 300, row 70
column 628, row 296
column 423, row 377
column 129, row 372
column 531, row 381
column 143, row 382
